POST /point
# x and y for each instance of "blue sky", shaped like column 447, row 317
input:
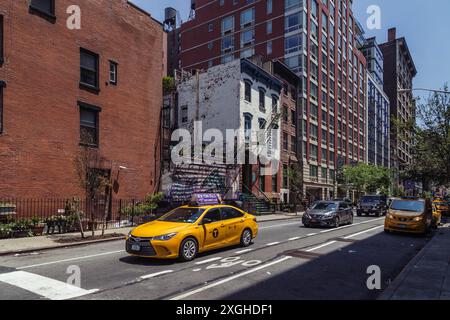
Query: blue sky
column 424, row 24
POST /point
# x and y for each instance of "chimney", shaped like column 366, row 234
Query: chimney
column 392, row 34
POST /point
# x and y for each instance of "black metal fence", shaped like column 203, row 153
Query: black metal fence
column 65, row 214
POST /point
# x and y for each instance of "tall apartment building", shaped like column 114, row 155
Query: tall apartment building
column 319, row 41
column 378, row 117
column 98, row 87
column 399, row 71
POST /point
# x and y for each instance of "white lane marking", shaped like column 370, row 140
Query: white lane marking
column 352, row 225
column 243, row 251
column 294, row 238
column 218, row 283
column 362, row 232
column 311, row 234
column 208, row 260
column 152, row 275
column 45, row 287
column 321, row 246
column 272, row 244
column 71, row 259
column 279, row 225
column 347, row 237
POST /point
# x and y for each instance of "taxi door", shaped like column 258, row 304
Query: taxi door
column 214, row 234
column 234, row 224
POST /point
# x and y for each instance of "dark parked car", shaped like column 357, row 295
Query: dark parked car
column 328, row 214
column 377, row 205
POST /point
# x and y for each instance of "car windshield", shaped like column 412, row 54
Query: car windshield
column 324, row 206
column 402, row 205
column 183, row 215
column 370, row 199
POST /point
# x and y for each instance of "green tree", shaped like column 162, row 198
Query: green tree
column 431, row 142
column 367, row 178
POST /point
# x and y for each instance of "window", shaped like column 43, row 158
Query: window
column 230, row 213
column 269, row 47
column 262, row 99
column 247, row 17
column 247, row 125
column 269, row 27
column 275, row 183
column 89, row 124
column 2, row 85
column 184, row 114
column 248, row 91
column 89, row 69
column 228, row 25
column 46, row 7
column 212, row 215
column 113, row 72
column 247, row 38
column 269, row 6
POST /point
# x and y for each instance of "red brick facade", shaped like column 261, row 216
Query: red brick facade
column 41, row 116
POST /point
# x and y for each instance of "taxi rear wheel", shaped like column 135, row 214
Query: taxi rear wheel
column 246, row 238
column 188, row 249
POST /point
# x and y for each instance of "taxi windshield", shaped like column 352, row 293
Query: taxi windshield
column 183, row 215
column 413, row 206
column 440, row 203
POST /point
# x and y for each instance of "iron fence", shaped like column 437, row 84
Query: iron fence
column 91, row 212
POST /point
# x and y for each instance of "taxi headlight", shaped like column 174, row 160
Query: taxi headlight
column 418, row 219
column 390, row 216
column 165, row 237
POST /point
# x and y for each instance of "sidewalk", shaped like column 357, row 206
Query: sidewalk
column 27, row 245
column 427, row 276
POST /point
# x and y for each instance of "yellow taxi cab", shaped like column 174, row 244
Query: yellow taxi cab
column 188, row 230
column 409, row 215
column 441, row 207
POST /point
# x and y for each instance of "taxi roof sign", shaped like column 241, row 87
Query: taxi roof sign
column 206, row 199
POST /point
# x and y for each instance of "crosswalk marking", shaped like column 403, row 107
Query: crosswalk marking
column 43, row 286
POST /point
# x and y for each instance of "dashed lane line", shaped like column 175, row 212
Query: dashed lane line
column 218, row 283
column 153, row 275
column 272, row 244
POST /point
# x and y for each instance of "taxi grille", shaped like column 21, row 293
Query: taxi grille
column 404, row 219
column 146, row 248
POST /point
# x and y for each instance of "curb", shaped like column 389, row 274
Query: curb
column 61, row 246
column 388, row 293
column 76, row 244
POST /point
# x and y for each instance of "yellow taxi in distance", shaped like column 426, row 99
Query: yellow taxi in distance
column 441, row 207
column 188, row 230
column 409, row 215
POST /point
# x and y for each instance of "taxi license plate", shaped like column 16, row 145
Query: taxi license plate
column 402, row 226
column 135, row 247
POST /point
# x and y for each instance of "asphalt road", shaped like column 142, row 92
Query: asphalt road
column 286, row 261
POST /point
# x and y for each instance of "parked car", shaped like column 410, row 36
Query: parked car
column 372, row 204
column 328, row 214
column 409, row 215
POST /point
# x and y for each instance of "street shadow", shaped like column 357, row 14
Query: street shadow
column 135, row 260
column 338, row 275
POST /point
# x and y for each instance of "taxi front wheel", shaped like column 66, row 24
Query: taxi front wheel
column 246, row 238
column 188, row 249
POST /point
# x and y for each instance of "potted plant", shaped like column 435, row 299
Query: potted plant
column 37, row 226
column 5, row 230
column 21, row 228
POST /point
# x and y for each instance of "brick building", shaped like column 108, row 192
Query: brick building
column 319, row 41
column 98, row 87
column 399, row 72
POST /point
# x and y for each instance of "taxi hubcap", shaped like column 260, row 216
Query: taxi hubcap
column 247, row 237
column 189, row 249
